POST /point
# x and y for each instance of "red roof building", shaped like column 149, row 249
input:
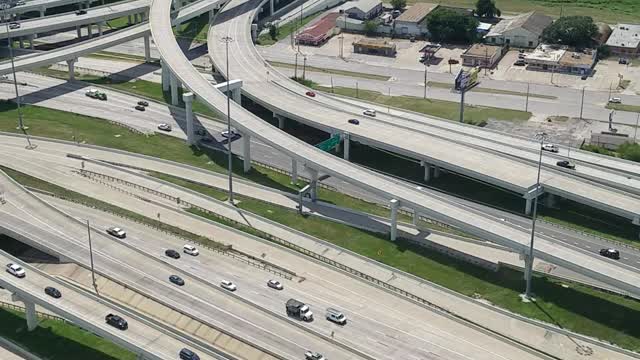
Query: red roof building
column 320, row 32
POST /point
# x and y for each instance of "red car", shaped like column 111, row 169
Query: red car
column 311, row 93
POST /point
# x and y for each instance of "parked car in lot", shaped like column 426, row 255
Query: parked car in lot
column 186, row 354
column 164, row 127
column 520, row 62
column 16, row 270
column 623, row 61
column 176, row 280
column 615, row 100
column 369, row 112
column 226, row 284
column 172, row 253
column 116, row 321
column 275, row 284
column 117, row 232
column 190, row 249
column 310, row 93
column 53, row 292
column 354, row 121
column 566, row 164
column 312, row 355
column 143, row 103
column 610, row 253
column 140, row 108
column 81, row 12
column 550, row 147
column 14, row 25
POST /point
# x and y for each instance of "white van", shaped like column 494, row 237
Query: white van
column 336, row 316
column 190, row 249
column 370, row 112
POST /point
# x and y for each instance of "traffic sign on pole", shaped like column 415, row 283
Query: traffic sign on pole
column 330, row 143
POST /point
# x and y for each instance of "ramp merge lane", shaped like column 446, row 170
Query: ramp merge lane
column 286, row 98
column 88, row 312
column 438, row 208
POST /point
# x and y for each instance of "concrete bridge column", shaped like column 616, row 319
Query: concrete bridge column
column 174, row 89
column 528, row 206
column 143, row 16
column 42, row 11
column 90, row 30
column 550, row 200
column 147, row 49
column 165, row 76
column 393, row 203
column 427, row 170
column 527, row 264
column 347, row 144
column 31, row 45
column 237, row 96
column 280, row 120
column 415, row 218
column 72, row 70
column 271, row 10
column 636, row 221
column 188, row 102
column 99, row 23
column 212, row 14
column 21, row 42
column 254, row 32
column 314, row 184
column 79, row 31
column 436, row 171
column 246, row 151
column 87, row 4
column 129, row 20
column 294, row 171
column 30, row 310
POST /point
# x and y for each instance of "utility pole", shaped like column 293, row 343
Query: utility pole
column 357, row 90
column 295, row 72
column 582, row 102
column 486, row 60
column 526, row 104
column 610, row 85
column 304, row 66
column 332, row 85
column 300, row 27
column 426, row 67
column 93, row 273
column 389, row 101
column 635, row 132
column 227, row 40
column 462, row 90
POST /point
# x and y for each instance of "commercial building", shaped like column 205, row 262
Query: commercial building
column 482, row 55
column 374, row 47
column 362, row 9
column 320, row 32
column 578, row 62
column 559, row 58
column 521, row 31
column 413, row 22
column 625, row 40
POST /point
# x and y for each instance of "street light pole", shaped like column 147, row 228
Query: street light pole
column 635, row 132
column 582, row 103
column 529, row 264
column 526, row 104
column 93, row 273
column 295, row 72
column 304, row 66
column 426, row 67
column 227, row 40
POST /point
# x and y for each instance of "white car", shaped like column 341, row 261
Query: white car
column 615, row 100
column 275, row 284
column 190, row 249
column 227, row 134
column 369, row 112
column 16, row 270
column 226, row 284
column 550, row 147
column 164, row 127
column 312, row 355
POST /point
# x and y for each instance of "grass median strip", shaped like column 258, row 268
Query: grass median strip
column 623, row 107
column 332, row 71
column 443, row 85
column 58, row 340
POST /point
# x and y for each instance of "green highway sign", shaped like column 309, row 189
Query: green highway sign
column 330, row 143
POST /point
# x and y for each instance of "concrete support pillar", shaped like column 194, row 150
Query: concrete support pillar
column 90, row 30
column 129, row 20
column 271, row 10
column 18, row 17
column 21, row 42
column 99, row 28
column 143, row 16
column 254, row 32
column 188, row 102
column 31, row 45
column 30, row 311
column 528, row 206
column 436, row 172
column 415, row 218
column 246, row 151
column 294, row 171
column 165, row 76
column 72, row 73
column 87, row 4
column 237, row 96
column 347, row 144
column 314, row 184
column 42, row 11
column 212, row 14
column 527, row 260
column 550, row 201
column 427, row 170
column 393, row 204
column 79, row 31
column 174, row 89
column 280, row 120
column 147, row 49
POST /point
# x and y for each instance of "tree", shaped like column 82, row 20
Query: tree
column 487, row 8
column 398, row 4
column 273, row 31
column 446, row 25
column 571, row 30
column 370, row 27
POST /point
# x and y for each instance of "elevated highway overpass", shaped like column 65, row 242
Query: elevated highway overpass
column 286, row 99
column 88, row 311
column 317, row 161
column 41, row 6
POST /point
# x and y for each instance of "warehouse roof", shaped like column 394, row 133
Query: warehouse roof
column 416, row 13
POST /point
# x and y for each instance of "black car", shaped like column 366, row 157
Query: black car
column 186, row 354
column 610, row 253
column 81, row 12
column 176, row 280
column 140, row 108
column 116, row 321
column 53, row 292
column 172, row 253
column 566, row 164
column 143, row 103
column 354, row 121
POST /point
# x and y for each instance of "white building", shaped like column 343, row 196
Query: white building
column 413, row 22
column 362, row 9
column 521, row 31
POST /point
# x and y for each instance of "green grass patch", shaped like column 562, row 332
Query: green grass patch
column 118, row 23
column 331, row 71
column 58, row 340
column 623, row 107
column 443, row 85
column 285, row 30
column 195, row 29
column 608, row 11
column 475, row 115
